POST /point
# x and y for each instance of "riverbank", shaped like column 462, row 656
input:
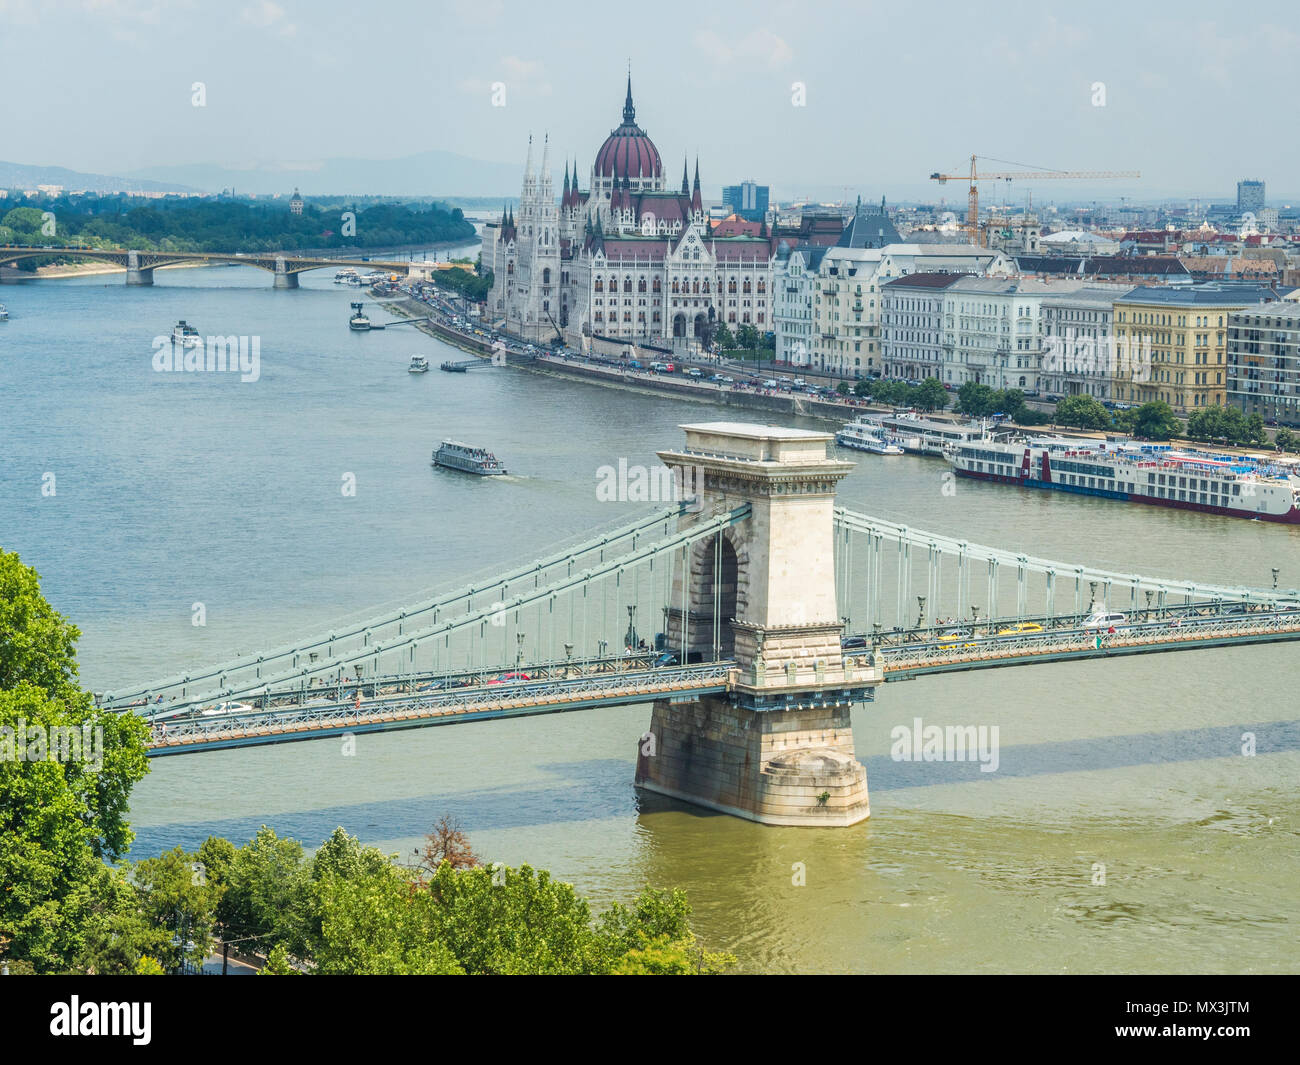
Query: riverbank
column 8, row 273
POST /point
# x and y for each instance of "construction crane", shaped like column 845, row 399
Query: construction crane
column 973, row 201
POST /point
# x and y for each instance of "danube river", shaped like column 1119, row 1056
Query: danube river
column 1124, row 829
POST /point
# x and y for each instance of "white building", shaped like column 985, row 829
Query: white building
column 911, row 325
column 846, row 301
column 993, row 330
column 794, row 275
column 1078, row 342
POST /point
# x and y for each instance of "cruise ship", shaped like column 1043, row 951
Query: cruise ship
column 457, row 456
column 1157, row 474
column 921, row 436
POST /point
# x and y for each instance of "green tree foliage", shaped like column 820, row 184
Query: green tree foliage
column 1286, row 440
column 1151, row 421
column 176, row 896
column 63, row 794
column 464, row 283
column 1082, row 412
column 266, row 893
column 930, row 395
column 747, row 337
column 1226, row 425
column 723, row 337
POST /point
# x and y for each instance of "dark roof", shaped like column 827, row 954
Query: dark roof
column 1212, row 294
column 869, row 228
column 925, row 280
column 1103, row 265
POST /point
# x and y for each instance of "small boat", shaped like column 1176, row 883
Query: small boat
column 419, row 364
column 467, row 459
column 185, row 335
column 344, row 276
column 865, row 437
column 4, row 313
column 358, row 322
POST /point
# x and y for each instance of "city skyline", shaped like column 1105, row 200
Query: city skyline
column 771, row 92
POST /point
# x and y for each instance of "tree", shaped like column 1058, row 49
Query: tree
column 1151, row 421
column 277, row 963
column 174, row 895
column 723, row 337
column 447, row 843
column 66, row 772
column 747, row 337
column 267, row 893
column 1285, row 440
column 1082, row 412
column 975, row 399
column 931, row 395
column 862, row 387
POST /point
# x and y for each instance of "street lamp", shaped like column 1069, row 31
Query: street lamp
column 631, row 626
column 920, row 615
column 519, row 657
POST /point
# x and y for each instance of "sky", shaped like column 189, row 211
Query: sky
column 1193, row 94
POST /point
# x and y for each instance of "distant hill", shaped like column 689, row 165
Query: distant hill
column 431, row 173
column 22, row 176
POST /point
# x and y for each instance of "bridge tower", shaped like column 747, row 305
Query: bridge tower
column 778, row 747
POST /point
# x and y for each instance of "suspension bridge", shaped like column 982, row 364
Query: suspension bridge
column 752, row 616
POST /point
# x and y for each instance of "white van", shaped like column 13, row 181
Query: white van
column 1102, row 621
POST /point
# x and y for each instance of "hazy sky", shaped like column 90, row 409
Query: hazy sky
column 1197, row 94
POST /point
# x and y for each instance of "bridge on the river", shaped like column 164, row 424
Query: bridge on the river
column 752, row 616
column 140, row 265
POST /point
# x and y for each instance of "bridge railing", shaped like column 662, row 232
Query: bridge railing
column 1190, row 628
column 630, row 686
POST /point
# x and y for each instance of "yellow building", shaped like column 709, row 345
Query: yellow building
column 1171, row 343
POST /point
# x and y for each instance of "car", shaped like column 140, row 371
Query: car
column 715, row 377
column 1021, row 628
column 1103, row 621
column 509, row 678
column 951, row 638
column 693, row 372
column 798, row 382
column 633, row 364
column 850, row 643
column 727, row 380
column 770, row 383
column 1030, row 393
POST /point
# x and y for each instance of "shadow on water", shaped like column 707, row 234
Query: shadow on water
column 602, row 788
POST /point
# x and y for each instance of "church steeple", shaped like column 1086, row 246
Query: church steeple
column 686, row 181
column 697, row 202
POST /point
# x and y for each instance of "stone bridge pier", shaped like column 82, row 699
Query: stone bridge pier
column 778, row 746
column 135, row 273
column 283, row 278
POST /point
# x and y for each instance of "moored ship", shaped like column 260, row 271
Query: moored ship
column 1156, row 474
column 921, row 436
column 864, row 437
column 358, row 322
column 467, row 459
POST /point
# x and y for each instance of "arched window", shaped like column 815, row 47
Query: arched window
column 546, row 276
column 627, row 284
column 745, row 287
column 656, row 287
column 640, row 285
column 600, row 285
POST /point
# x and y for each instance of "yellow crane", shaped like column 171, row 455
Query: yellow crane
column 973, row 200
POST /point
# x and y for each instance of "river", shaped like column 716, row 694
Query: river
column 173, row 489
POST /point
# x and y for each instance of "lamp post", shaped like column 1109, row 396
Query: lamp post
column 631, row 626
column 568, row 658
column 519, row 655
column 974, row 618
column 920, row 613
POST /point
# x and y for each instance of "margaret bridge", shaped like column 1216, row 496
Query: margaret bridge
column 752, row 616
column 140, row 265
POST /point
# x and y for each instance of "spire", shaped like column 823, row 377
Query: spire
column 503, row 216
column 546, row 160
column 528, row 166
column 565, row 201
column 686, row 181
column 629, row 112
column 697, row 201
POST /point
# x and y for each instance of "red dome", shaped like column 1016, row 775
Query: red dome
column 628, row 152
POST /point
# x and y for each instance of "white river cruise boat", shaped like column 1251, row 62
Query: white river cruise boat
column 1157, row 474
column 864, row 437
column 185, row 335
column 921, row 436
column 457, row 456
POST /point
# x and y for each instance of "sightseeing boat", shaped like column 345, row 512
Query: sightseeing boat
column 456, row 456
column 918, row 435
column 419, row 364
column 1155, row 474
column 185, row 335
column 864, row 437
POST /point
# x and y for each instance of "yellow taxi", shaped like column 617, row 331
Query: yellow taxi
column 1021, row 628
